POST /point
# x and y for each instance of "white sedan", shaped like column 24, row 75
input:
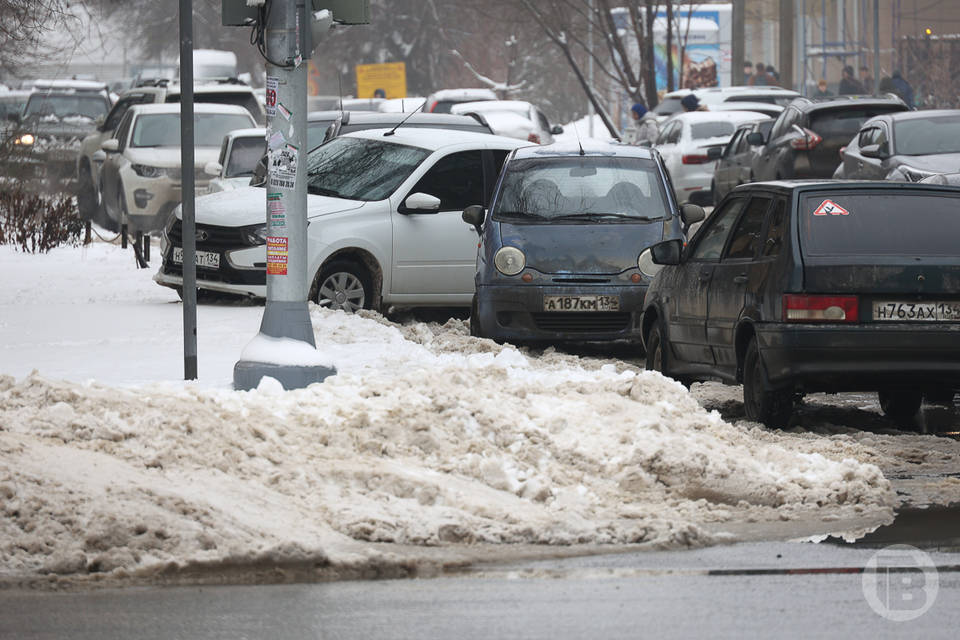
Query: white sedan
column 504, row 117
column 684, row 142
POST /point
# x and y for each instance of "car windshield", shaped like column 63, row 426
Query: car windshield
column 601, row 189
column 66, row 105
column 244, row 155
column 359, row 169
column 668, row 106
column 702, row 130
column 926, row 136
column 163, row 129
column 882, row 223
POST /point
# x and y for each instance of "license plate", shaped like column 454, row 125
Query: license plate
column 207, row 259
column 581, row 303
column 886, row 311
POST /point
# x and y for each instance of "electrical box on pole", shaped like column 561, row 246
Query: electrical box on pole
column 345, row 11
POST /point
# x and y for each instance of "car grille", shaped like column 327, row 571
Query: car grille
column 218, row 238
column 588, row 322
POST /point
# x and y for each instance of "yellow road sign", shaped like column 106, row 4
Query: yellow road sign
column 389, row 77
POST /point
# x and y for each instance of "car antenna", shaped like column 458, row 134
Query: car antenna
column 399, row 124
column 340, row 92
column 577, row 133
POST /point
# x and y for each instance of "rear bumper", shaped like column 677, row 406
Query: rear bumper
column 861, row 358
column 515, row 313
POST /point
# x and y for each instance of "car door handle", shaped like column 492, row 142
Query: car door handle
column 740, row 279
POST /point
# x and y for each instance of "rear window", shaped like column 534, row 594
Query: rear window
column 845, row 123
column 702, row 130
column 878, row 224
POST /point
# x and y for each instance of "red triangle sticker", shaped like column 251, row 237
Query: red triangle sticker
column 831, row 208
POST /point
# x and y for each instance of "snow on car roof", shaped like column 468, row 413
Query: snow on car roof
column 227, row 87
column 510, row 124
column 464, row 94
column 200, row 107
column 252, row 132
column 717, row 116
column 78, row 85
column 591, row 147
column 513, row 106
column 433, row 139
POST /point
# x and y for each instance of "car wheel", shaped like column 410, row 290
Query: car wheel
column 773, row 408
column 475, row 330
column 658, row 354
column 101, row 217
column 345, row 286
column 900, row 406
column 87, row 201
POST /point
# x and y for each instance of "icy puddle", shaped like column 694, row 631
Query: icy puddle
column 426, row 438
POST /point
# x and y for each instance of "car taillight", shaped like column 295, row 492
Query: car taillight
column 800, row 308
column 807, row 142
column 695, row 158
column 842, row 149
column 534, row 138
column 433, row 106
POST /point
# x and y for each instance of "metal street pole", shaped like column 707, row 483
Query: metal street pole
column 738, row 42
column 590, row 109
column 876, row 47
column 186, row 185
column 285, row 315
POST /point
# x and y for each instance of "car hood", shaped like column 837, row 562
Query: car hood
column 936, row 163
column 248, row 205
column 169, row 157
column 594, row 248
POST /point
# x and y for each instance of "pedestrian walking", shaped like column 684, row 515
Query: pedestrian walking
column 691, row 102
column 866, row 79
column 849, row 85
column 774, row 76
column 747, row 72
column 760, row 78
column 904, row 89
column 643, row 131
column 822, row 91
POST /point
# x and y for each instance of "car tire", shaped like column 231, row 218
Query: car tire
column 658, row 354
column 900, row 406
column 103, row 218
column 772, row 408
column 344, row 285
column 475, row 329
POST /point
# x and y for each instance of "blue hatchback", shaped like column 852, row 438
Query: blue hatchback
column 563, row 251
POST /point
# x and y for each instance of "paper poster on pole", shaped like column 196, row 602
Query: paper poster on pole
column 277, row 254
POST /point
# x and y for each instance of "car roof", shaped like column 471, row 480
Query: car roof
column 434, row 139
column 251, row 132
column 746, row 105
column 76, row 85
column 719, row 92
column 396, row 117
column 199, row 107
column 493, row 105
column 717, row 116
column 813, row 104
column 591, row 148
column 463, row 95
column 918, row 115
column 789, row 186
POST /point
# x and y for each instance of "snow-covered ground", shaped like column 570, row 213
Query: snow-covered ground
column 110, row 464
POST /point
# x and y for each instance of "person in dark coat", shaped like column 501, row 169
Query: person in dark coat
column 904, row 90
column 849, row 85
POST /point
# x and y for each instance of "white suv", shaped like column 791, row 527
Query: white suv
column 384, row 214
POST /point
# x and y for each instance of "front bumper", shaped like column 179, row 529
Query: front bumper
column 515, row 313
column 864, row 357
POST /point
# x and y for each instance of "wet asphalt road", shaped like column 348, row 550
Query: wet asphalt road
column 789, row 590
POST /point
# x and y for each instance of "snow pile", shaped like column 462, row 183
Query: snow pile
column 426, row 437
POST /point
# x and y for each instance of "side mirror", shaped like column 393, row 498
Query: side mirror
column 99, row 156
column 667, row 252
column 110, row 146
column 556, row 129
column 755, row 139
column 473, row 215
column 691, row 214
column 213, row 168
column 871, row 151
column 714, row 153
column 422, row 203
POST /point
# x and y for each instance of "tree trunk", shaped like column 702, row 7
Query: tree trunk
column 649, row 72
column 670, row 84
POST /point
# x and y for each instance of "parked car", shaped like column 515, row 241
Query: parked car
column 402, row 105
column 141, row 171
column 240, row 151
column 907, row 146
column 670, row 104
column 763, row 108
column 385, row 227
column 563, row 252
column 685, row 142
column 806, row 286
column 441, row 101
column 806, row 139
column 45, row 137
column 156, row 91
column 735, row 160
column 541, row 131
column 350, row 121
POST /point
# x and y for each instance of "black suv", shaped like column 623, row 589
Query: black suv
column 796, row 287
column 806, row 139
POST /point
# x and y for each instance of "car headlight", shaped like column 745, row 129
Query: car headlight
column 912, row 175
column 255, row 235
column 510, row 261
column 646, row 264
column 26, row 140
column 146, row 171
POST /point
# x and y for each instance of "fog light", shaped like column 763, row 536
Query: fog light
column 141, row 197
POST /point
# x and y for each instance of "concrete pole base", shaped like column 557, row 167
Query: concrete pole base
column 247, row 375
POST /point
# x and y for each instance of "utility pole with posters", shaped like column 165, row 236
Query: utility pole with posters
column 285, row 31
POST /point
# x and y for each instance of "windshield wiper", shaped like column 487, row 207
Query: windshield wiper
column 321, row 191
column 600, row 216
column 521, row 214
